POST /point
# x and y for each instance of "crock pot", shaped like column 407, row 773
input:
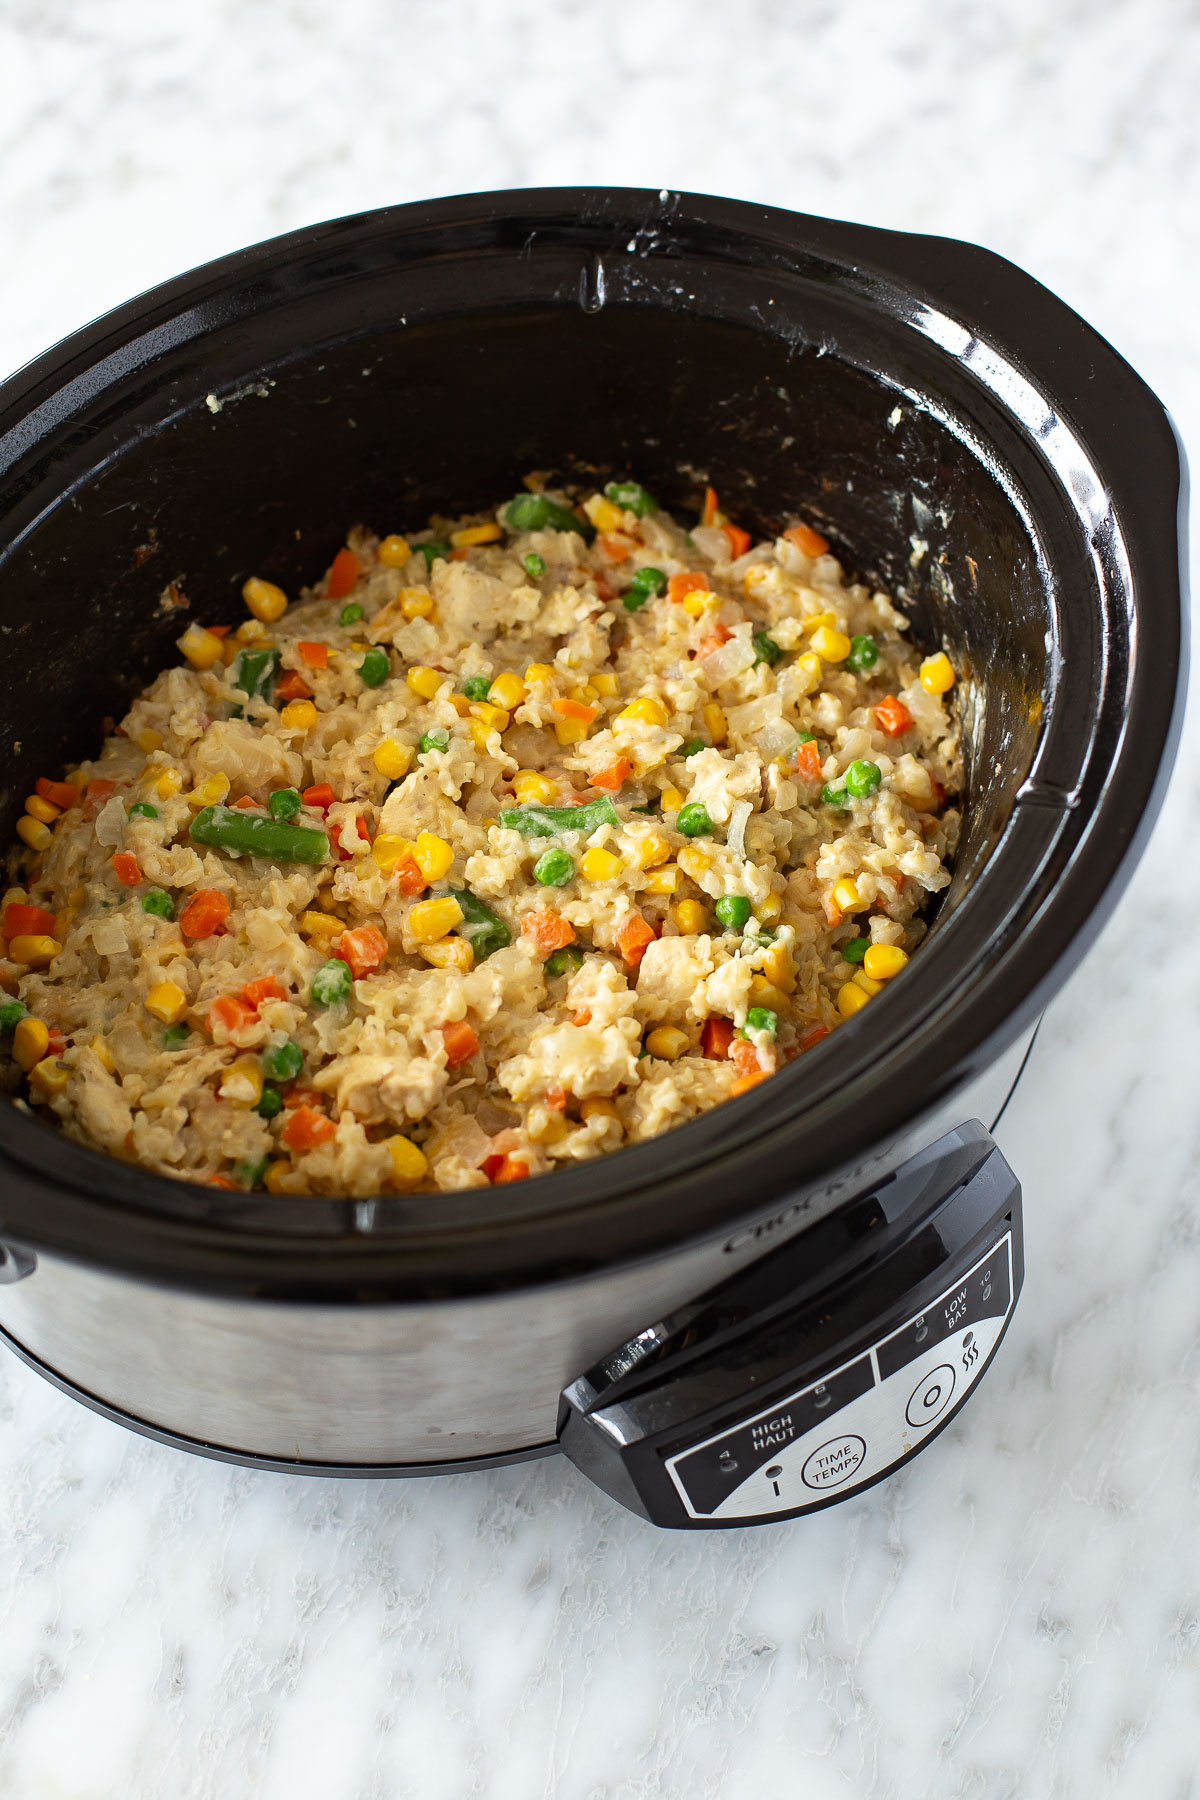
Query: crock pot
column 775, row 1305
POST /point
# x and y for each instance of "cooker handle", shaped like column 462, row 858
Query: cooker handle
column 822, row 1367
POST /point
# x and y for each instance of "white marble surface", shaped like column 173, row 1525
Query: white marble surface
column 1019, row 1613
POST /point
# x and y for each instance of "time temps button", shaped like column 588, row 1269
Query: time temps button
column 931, row 1396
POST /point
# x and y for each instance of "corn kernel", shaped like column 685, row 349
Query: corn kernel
column 299, row 715
column 475, row 534
column 672, row 799
column 34, row 950
column 544, row 1125
column 540, row 672
column 432, row 855
column 460, row 703
column 765, row 993
column 424, row 682
column 653, row 849
column 14, row 896
column 166, row 1001
column 243, row 1083
column 266, row 601
column 700, row 601
column 430, row 920
column 815, row 621
column 882, row 961
column 846, row 897
column 479, row 732
column 408, row 1162
column 392, row 759
column 209, row 792
column 103, row 1055
column 37, row 808
column 600, row 865
column 31, row 1040
column 48, row 1077
column 386, row 851
column 769, row 909
column 508, row 691
column 253, row 631
column 937, row 674
column 34, row 833
column 869, row 987
column 594, row 1107
column 809, row 672
column 393, row 551
column 416, row 603
column 606, row 684
column 645, row 710
column 715, row 722
column 778, row 967
column 667, row 1042
column 168, row 783
column 690, row 917
column 603, row 514
column 322, row 925
column 830, row 645
column 529, row 786
column 851, row 999
column 662, row 881
column 276, row 1180
column 494, row 717
column 693, row 862
column 148, row 741
column 202, row 649
column 570, row 731
column 449, row 953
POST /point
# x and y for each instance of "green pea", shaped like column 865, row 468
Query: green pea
column 565, row 961
column 432, row 550
column 631, row 496
column 733, row 910
column 332, row 983
column 271, row 1103
column 534, row 565
column 834, row 796
column 159, row 903
column 694, row 820
column 142, row 809
column 352, row 614
column 175, row 1036
column 434, row 740
column 282, row 1061
column 250, row 1171
column 761, row 1018
column 864, row 652
column 475, row 687
column 862, row 778
column 766, row 650
column 375, row 667
column 856, row 949
column 554, row 868
column 693, row 747
column 284, row 803
column 11, row 1014
column 645, row 584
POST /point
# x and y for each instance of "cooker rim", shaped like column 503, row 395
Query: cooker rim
column 655, row 1197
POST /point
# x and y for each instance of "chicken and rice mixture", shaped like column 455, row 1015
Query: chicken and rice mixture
column 504, row 845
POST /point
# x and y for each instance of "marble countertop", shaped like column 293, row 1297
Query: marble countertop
column 1018, row 1613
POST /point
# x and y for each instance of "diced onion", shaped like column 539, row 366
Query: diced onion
column 729, row 660
column 735, row 835
column 110, row 821
column 108, row 935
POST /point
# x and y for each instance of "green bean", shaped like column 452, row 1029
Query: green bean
column 483, row 929
column 550, row 821
column 227, row 828
column 537, row 512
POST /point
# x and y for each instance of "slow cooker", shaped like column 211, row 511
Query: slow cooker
column 765, row 1311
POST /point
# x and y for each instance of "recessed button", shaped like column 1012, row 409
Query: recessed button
column 931, row 1396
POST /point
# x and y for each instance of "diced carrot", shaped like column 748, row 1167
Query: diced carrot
column 813, row 1037
column 634, row 938
column 716, row 1037
column 743, row 1056
column 708, row 514
column 461, row 554
column 245, row 804
column 681, row 585
column 321, row 796
column 739, row 541
column 575, row 709
column 335, row 837
column 99, row 789
column 939, row 792
column 409, row 876
column 616, row 549
column 808, row 761
column 315, row 655
column 343, row 573
column 556, row 1098
column 491, row 1165
column 231, row 1012
column 363, row 949
column 833, row 912
column 292, row 687
column 583, row 1016
column 548, row 930
column 460, row 1041
column 59, row 793
column 125, row 863
column 744, row 1083
column 301, row 1096
column 307, row 1128
column 223, row 1181
column 614, row 774
column 56, row 1043
column 28, row 921
column 265, row 988
column 206, row 909
column 720, row 634
column 605, row 592
column 511, row 1169
column 893, row 716
column 217, row 631
column 806, row 539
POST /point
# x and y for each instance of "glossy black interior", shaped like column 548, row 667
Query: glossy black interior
column 930, row 407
